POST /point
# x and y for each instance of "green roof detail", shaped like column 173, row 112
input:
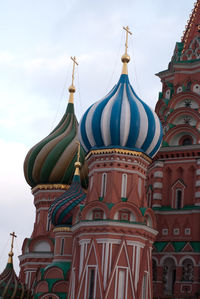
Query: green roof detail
column 109, row 205
column 160, row 246
column 195, row 245
column 124, row 199
column 160, row 95
column 64, row 266
column 81, row 207
column 165, row 143
column 168, row 208
column 100, row 198
column 143, row 210
column 171, row 126
column 178, row 246
column 166, row 101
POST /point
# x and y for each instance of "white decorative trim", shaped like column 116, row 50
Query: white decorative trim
column 118, row 234
column 165, row 257
column 197, row 194
column 187, row 231
column 197, row 183
column 158, row 174
column 103, row 169
column 165, row 231
column 158, row 185
column 177, row 212
column 159, row 164
column 187, row 257
column 176, row 231
column 156, row 206
column 198, row 172
column 36, row 255
column 157, row 196
column 111, row 224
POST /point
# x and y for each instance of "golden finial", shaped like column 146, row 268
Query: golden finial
column 126, row 58
column 78, row 163
column 72, row 88
column 11, row 249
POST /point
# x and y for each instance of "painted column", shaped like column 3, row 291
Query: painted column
column 158, row 184
column 197, row 184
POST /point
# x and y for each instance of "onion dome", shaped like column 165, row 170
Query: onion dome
column 51, row 161
column 121, row 119
column 61, row 210
column 10, row 285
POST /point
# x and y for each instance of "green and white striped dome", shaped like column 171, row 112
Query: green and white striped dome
column 51, row 161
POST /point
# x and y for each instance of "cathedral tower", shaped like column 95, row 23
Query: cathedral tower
column 48, row 169
column 113, row 231
column 174, row 176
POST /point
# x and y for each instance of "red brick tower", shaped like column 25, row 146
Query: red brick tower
column 114, row 231
column 49, row 169
column 173, row 187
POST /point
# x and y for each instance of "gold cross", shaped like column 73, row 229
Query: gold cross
column 127, row 32
column 75, row 62
column 12, row 241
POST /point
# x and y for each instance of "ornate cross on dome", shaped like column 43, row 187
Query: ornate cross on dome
column 127, row 33
column 126, row 58
column 74, row 62
column 72, row 88
column 11, row 249
column 12, row 241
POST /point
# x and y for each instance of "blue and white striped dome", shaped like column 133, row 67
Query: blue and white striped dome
column 121, row 119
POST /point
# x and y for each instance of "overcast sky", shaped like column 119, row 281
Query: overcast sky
column 37, row 39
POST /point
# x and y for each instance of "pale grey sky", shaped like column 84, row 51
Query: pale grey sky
column 37, row 40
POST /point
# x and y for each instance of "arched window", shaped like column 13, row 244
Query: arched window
column 188, row 270
column 178, row 199
column 154, row 270
column 103, row 184
column 124, row 185
column 62, row 246
column 187, row 141
column 92, row 283
column 169, row 276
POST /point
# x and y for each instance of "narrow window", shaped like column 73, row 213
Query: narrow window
column 97, row 214
column 62, row 246
column 48, row 223
column 154, row 270
column 38, row 217
column 121, row 284
column 178, row 199
column 144, row 287
column 91, row 182
column 149, row 200
column 91, row 284
column 103, row 184
column 124, row 185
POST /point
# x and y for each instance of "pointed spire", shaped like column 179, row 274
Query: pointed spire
column 72, row 88
column 126, row 58
column 10, row 261
column 192, row 27
column 78, row 163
